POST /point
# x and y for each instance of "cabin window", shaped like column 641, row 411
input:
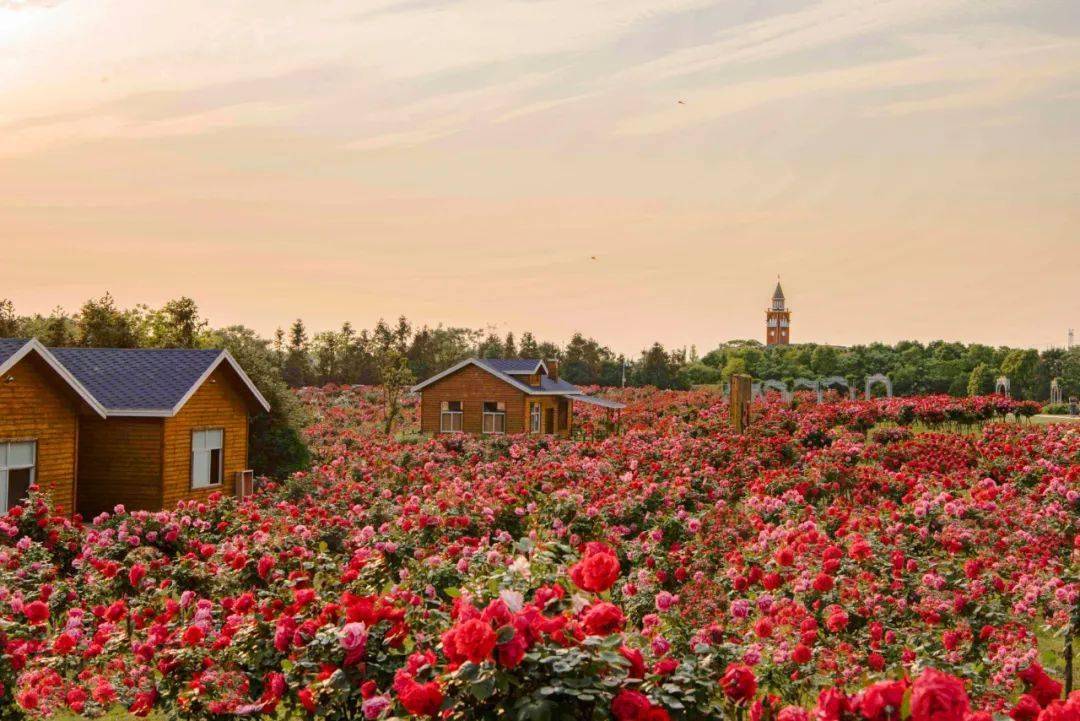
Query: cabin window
column 18, row 464
column 207, row 457
column 450, row 417
column 494, row 417
column 534, row 417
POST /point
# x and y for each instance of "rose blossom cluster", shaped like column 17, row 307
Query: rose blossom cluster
column 674, row 571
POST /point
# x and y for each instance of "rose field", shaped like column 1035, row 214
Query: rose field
column 869, row 560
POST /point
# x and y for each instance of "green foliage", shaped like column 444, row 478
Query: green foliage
column 276, row 446
column 980, row 381
column 701, row 374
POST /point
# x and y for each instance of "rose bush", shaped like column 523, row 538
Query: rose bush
column 849, row 560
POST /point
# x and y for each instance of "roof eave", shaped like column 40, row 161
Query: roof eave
column 80, row 390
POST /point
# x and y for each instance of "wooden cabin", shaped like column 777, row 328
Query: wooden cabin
column 169, row 425
column 492, row 396
column 41, row 409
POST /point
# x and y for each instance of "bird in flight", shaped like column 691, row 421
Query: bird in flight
column 593, row 257
column 682, row 102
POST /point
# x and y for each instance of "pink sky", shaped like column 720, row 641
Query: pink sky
column 910, row 167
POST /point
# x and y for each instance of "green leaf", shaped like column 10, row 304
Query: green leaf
column 483, row 688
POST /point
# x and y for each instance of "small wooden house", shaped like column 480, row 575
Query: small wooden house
column 501, row 395
column 156, row 426
column 41, row 409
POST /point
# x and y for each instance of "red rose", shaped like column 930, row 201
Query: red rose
column 739, row 683
column 823, row 583
column 597, row 571
column 603, row 619
column 193, row 635
column 637, row 661
column 420, row 699
column 475, row 640
column 630, row 705
column 801, row 654
column 36, row 612
column 881, row 701
column 793, row 713
column 832, row 705
column 1027, row 708
column 1039, row 684
column 136, row 574
column 511, row 653
column 307, row 700
column 64, row 643
column 665, row 666
column 837, row 620
column 937, row 696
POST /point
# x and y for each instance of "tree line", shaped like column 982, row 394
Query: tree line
column 396, row 354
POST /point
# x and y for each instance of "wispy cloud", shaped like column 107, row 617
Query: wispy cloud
column 980, row 73
column 28, row 4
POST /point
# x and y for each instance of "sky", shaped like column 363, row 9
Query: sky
column 637, row 170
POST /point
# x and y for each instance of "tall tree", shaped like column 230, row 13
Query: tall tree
column 529, row 347
column 103, row 325
column 391, row 346
column 1021, row 367
column 9, row 323
column 177, row 324
column 297, row 371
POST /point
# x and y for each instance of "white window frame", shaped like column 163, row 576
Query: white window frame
column 200, row 449
column 7, row 465
column 495, row 419
column 448, row 419
column 536, row 418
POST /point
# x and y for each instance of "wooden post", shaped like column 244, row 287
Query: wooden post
column 740, row 402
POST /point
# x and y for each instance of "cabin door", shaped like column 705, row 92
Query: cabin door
column 549, row 420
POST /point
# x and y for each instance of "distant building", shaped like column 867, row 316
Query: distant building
column 501, row 395
column 778, row 320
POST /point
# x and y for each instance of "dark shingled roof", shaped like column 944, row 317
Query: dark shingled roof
column 548, row 384
column 778, row 294
column 136, row 378
column 10, row 346
column 511, row 365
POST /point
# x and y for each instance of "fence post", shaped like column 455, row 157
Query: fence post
column 740, row 402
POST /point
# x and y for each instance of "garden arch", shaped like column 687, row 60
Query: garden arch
column 827, row 383
column 775, row 385
column 1055, row 391
column 879, row 378
column 1001, row 385
column 806, row 383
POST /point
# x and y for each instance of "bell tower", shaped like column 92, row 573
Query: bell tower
column 778, row 319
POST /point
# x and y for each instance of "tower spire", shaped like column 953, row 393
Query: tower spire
column 778, row 318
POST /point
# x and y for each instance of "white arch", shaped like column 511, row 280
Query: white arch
column 776, row 386
column 835, row 381
column 1055, row 391
column 1002, row 386
column 806, row 383
column 879, row 378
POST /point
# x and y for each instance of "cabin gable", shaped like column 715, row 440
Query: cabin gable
column 219, row 404
column 37, row 406
column 472, row 387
